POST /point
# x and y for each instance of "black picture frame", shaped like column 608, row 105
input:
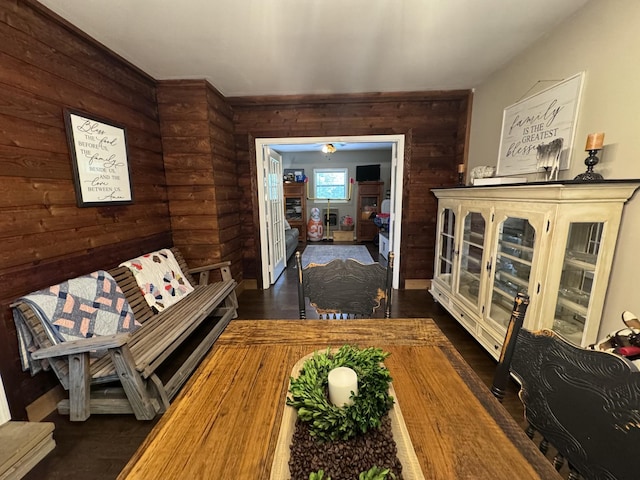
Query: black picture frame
column 99, row 158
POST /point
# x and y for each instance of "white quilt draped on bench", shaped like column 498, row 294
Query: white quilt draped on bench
column 160, row 278
column 83, row 307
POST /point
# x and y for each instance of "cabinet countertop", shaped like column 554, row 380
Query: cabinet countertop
column 565, row 190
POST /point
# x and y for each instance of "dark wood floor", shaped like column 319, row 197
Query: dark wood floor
column 100, row 447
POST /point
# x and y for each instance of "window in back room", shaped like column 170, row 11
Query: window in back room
column 331, row 183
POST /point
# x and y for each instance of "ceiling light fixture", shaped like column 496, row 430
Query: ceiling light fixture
column 328, row 148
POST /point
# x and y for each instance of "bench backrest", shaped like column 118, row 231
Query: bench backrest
column 127, row 282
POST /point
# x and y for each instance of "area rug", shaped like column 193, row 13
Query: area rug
column 326, row 253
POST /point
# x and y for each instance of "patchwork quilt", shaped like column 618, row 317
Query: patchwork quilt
column 82, row 307
column 160, row 278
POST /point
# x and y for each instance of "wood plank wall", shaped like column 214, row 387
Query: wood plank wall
column 46, row 65
column 435, row 125
column 199, row 156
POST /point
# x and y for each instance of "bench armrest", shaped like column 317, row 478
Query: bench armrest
column 205, row 269
column 83, row 345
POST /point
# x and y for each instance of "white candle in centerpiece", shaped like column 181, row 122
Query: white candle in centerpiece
column 342, row 381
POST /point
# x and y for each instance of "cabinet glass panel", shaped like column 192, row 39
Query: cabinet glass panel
column 447, row 246
column 514, row 256
column 471, row 251
column 581, row 255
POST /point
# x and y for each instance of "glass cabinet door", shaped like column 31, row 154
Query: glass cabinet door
column 576, row 281
column 471, row 254
column 447, row 245
column 514, row 257
column 293, row 209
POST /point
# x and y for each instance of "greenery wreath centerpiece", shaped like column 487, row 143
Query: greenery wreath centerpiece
column 330, row 429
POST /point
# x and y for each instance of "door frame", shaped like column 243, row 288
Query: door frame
column 5, row 414
column 396, row 189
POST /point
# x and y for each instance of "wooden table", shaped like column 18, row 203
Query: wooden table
column 225, row 422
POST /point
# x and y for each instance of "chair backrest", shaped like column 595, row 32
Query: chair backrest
column 345, row 288
column 585, row 403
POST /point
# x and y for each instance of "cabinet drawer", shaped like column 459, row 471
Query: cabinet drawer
column 492, row 342
column 466, row 319
column 463, row 317
column 438, row 294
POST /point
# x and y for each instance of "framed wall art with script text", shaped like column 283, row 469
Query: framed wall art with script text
column 538, row 124
column 100, row 160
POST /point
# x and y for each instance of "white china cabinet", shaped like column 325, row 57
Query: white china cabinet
column 553, row 241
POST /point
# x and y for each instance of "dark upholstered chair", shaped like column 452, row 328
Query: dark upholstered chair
column 345, row 288
column 585, row 403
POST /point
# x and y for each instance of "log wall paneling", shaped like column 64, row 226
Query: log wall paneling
column 435, row 125
column 46, row 65
column 202, row 180
column 192, row 159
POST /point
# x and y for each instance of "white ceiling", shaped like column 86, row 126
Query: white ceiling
column 282, row 47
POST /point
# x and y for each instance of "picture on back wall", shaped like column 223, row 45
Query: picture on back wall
column 535, row 124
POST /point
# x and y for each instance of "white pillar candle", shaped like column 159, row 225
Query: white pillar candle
column 342, row 381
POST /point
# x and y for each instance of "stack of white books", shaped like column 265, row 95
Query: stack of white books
column 498, row 180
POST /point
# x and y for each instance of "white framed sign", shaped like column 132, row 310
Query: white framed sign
column 100, row 161
column 539, row 123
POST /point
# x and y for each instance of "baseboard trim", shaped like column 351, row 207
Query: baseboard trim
column 45, row 404
column 248, row 284
column 417, row 284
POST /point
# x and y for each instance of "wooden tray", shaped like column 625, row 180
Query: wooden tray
column 406, row 454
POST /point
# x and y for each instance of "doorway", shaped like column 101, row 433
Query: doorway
column 396, row 143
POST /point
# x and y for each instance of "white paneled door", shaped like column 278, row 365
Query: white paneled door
column 275, row 220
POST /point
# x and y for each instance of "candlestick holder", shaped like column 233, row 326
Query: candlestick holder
column 590, row 162
column 461, row 174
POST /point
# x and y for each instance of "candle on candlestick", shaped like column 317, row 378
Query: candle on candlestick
column 594, row 141
column 350, row 186
column 594, row 144
column 306, row 180
column 342, row 381
column 461, row 168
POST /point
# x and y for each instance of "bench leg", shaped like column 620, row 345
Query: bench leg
column 232, row 302
column 160, row 392
column 132, row 383
column 79, row 387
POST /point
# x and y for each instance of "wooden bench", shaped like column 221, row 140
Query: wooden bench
column 22, row 446
column 134, row 358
